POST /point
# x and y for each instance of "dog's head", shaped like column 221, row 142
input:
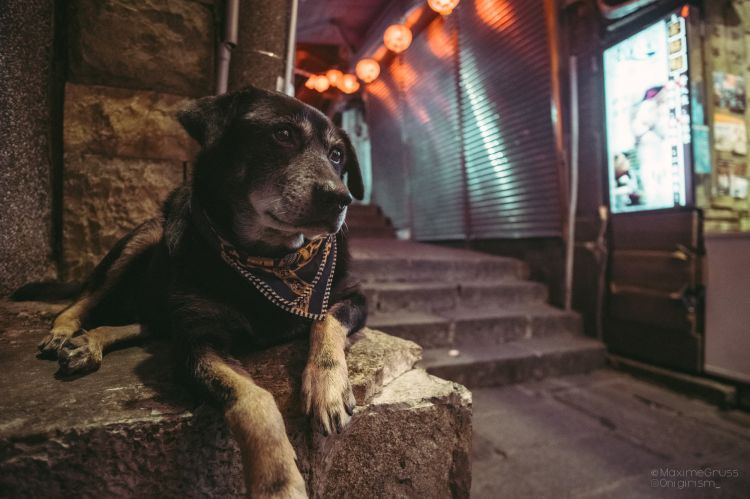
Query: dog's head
column 276, row 163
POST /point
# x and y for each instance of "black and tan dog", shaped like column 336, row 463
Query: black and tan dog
column 249, row 256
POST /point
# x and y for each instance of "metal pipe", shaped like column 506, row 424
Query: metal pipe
column 290, row 50
column 224, row 52
column 573, row 198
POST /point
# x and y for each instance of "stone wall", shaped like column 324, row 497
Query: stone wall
column 131, row 65
column 26, row 44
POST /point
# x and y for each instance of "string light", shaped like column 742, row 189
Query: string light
column 443, row 7
column 321, row 83
column 397, row 38
column 367, row 70
column 349, row 84
column 334, row 76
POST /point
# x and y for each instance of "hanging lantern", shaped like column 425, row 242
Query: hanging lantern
column 334, row 77
column 397, row 38
column 443, row 7
column 367, row 70
column 310, row 83
column 321, row 83
column 349, row 84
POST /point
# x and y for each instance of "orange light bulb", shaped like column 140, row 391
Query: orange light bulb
column 349, row 84
column 322, row 84
column 334, row 76
column 397, row 38
column 443, row 7
column 367, row 70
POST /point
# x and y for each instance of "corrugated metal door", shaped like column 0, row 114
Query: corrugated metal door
column 505, row 80
column 390, row 179
column 427, row 77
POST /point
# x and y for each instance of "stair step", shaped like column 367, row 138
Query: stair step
column 522, row 360
column 366, row 220
column 468, row 326
column 438, row 296
column 364, row 209
column 365, row 232
column 388, row 260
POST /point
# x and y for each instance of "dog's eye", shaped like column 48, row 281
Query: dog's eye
column 283, row 135
column 336, row 155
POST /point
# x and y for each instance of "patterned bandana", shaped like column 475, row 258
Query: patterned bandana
column 299, row 282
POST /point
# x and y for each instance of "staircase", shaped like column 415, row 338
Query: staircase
column 368, row 220
column 479, row 320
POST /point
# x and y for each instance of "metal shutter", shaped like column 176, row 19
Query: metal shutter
column 505, row 80
column 432, row 132
column 390, row 188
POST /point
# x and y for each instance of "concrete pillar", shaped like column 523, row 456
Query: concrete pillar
column 259, row 57
column 26, row 42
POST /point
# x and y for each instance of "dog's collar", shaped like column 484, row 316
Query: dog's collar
column 299, row 283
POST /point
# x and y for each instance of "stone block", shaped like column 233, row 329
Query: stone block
column 128, row 123
column 104, row 197
column 143, row 44
column 130, row 430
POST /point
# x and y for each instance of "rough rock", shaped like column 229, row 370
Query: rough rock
column 26, row 39
column 127, row 123
column 129, row 430
column 105, row 197
column 144, row 44
column 413, row 440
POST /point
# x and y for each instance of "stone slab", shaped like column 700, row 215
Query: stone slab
column 516, row 361
column 389, row 260
column 130, row 430
column 127, row 123
column 144, row 44
column 105, row 197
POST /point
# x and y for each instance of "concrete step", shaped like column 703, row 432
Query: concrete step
column 483, row 365
column 366, row 232
column 367, row 220
column 131, row 430
column 437, row 296
column 388, row 260
column 469, row 326
column 364, row 209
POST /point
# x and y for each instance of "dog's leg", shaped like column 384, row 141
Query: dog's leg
column 103, row 280
column 84, row 353
column 268, row 459
column 326, row 393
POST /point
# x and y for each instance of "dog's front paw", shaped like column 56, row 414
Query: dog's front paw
column 79, row 355
column 50, row 346
column 327, row 396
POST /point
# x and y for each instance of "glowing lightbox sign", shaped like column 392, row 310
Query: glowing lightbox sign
column 647, row 102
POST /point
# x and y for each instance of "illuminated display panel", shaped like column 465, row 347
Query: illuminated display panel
column 648, row 118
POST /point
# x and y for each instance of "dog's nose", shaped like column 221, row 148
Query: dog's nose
column 327, row 196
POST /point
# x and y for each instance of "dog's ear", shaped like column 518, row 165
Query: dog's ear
column 354, row 174
column 206, row 119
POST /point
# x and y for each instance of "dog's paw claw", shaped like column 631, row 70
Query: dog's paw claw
column 51, row 344
column 79, row 355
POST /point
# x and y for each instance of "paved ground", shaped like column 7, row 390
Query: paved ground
column 605, row 434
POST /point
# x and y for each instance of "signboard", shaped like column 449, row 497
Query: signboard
column 648, row 118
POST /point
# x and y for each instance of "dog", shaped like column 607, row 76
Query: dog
column 249, row 255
